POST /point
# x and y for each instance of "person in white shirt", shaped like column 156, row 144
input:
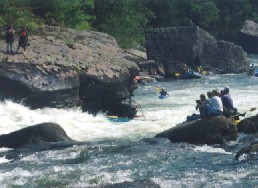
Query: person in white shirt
column 214, row 107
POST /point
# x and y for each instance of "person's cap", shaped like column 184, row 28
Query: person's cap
column 226, row 88
column 163, row 88
column 202, row 96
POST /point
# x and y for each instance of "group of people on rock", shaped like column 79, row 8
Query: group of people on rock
column 218, row 103
column 10, row 36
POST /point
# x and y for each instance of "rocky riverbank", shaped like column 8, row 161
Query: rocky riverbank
column 66, row 67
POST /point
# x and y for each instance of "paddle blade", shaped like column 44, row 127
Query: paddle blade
column 158, row 89
column 252, row 109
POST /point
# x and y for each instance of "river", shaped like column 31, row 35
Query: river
column 126, row 151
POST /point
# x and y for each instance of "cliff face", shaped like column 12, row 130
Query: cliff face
column 247, row 37
column 193, row 46
column 65, row 67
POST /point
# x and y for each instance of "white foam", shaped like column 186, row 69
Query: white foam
column 157, row 115
column 210, row 149
column 4, row 160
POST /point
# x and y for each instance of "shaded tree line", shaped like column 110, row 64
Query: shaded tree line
column 126, row 20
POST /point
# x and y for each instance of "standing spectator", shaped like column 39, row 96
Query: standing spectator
column 9, row 37
column 23, row 41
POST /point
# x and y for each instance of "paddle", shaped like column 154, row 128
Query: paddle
column 252, row 109
column 141, row 110
column 158, row 88
column 243, row 114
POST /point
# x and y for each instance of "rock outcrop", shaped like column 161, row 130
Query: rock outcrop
column 248, row 125
column 37, row 134
column 214, row 130
column 247, row 37
column 65, row 67
column 193, row 46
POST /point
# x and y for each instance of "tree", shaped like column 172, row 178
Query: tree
column 203, row 13
column 233, row 14
column 123, row 19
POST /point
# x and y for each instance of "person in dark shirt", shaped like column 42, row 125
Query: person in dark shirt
column 9, row 37
column 163, row 92
column 200, row 103
column 23, row 41
column 228, row 107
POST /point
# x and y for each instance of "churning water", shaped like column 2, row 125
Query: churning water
column 127, row 151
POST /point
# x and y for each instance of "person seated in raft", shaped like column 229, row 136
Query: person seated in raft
column 163, row 92
column 228, row 107
column 199, row 105
column 214, row 106
column 252, row 70
column 197, row 69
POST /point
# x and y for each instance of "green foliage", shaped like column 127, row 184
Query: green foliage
column 232, row 14
column 69, row 43
column 126, row 20
column 170, row 13
column 123, row 19
column 19, row 14
column 204, row 13
column 72, row 14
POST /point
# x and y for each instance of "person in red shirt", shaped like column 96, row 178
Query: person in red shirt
column 23, row 41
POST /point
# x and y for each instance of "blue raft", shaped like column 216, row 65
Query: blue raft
column 117, row 119
column 191, row 75
column 163, row 96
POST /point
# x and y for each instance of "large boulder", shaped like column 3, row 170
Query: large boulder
column 214, row 130
column 37, row 134
column 247, row 37
column 193, row 46
column 66, row 67
column 248, row 125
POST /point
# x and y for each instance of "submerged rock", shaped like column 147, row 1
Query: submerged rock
column 134, row 184
column 252, row 148
column 37, row 134
column 214, row 130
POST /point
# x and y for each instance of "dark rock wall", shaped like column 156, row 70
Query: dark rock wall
column 25, row 83
column 248, row 42
column 247, row 37
column 193, row 46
